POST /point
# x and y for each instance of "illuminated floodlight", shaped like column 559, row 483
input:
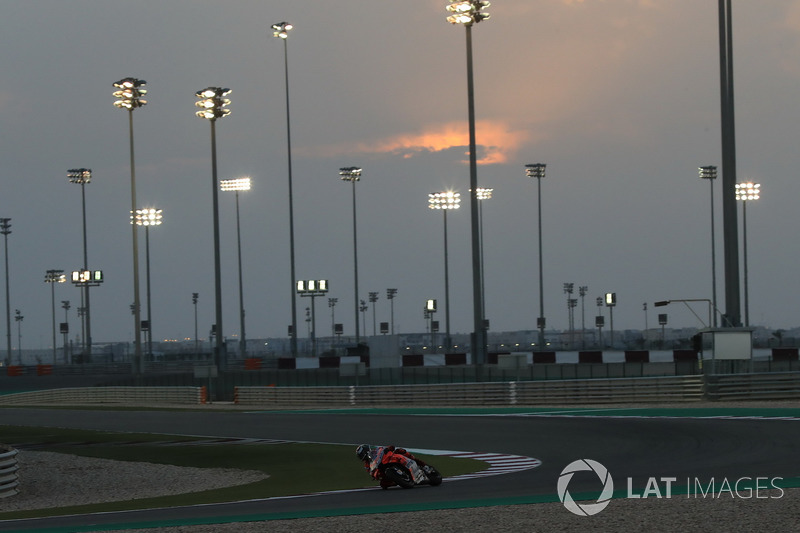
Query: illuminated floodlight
column 281, row 29
column 467, row 12
column 312, row 287
column 236, row 184
column 484, row 193
column 213, row 102
column 147, row 217
column 444, row 200
column 748, row 191
column 350, row 174
column 130, row 93
column 86, row 277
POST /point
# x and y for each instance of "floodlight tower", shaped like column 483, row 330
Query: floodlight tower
column 730, row 224
column 148, row 217
column 710, row 173
column 83, row 176
column 281, row 31
column 52, row 277
column 537, row 171
column 236, row 185
column 390, row 294
column 213, row 106
column 468, row 13
column 312, row 288
column 746, row 192
column 373, row 297
column 130, row 96
column 5, row 230
column 483, row 194
column 353, row 175
column 445, row 201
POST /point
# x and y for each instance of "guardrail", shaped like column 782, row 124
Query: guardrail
column 108, row 395
column 660, row 389
column 766, row 386
column 683, row 388
column 779, row 385
column 9, row 481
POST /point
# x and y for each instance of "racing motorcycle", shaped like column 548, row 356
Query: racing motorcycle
column 399, row 467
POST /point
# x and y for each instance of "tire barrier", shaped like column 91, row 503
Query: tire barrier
column 9, row 481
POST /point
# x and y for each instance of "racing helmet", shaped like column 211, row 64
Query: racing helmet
column 363, row 452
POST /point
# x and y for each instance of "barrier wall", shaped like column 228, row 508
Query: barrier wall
column 684, row 388
column 778, row 385
column 766, row 386
column 108, row 395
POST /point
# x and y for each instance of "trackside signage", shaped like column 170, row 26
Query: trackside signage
column 744, row 488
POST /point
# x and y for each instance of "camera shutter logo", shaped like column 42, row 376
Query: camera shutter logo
column 585, row 509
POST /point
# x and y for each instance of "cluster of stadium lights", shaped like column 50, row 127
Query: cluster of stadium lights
column 213, row 105
column 748, row 191
column 350, row 174
column 79, row 175
column 130, row 93
column 484, row 193
column 236, row 184
column 281, row 29
column 213, row 102
column 467, row 11
column 708, row 173
column 444, row 200
column 312, row 287
column 149, row 216
column 535, row 170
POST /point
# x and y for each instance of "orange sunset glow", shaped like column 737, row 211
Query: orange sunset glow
column 497, row 142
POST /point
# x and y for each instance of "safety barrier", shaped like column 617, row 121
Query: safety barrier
column 776, row 385
column 660, row 389
column 9, row 481
column 108, row 395
column 766, row 386
column 657, row 389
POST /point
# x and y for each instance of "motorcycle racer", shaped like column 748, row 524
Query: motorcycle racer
column 375, row 459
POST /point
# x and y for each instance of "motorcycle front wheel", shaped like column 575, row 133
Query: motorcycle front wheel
column 399, row 475
column 434, row 477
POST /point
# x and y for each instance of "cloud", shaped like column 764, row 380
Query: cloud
column 496, row 142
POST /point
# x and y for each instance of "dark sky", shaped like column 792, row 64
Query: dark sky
column 619, row 98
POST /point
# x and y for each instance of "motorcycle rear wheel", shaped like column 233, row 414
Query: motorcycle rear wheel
column 399, row 475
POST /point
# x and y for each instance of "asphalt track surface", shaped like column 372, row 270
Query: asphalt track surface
column 629, row 447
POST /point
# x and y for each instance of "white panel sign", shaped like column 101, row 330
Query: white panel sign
column 731, row 345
